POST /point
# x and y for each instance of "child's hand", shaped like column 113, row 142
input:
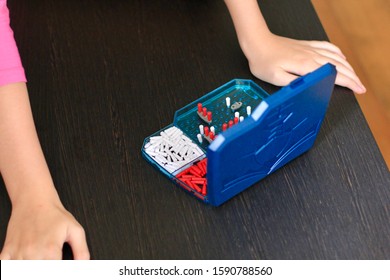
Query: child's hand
column 279, row 60
column 39, row 231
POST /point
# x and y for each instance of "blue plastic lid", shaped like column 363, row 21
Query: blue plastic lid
column 282, row 127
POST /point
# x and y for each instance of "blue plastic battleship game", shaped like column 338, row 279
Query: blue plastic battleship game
column 232, row 137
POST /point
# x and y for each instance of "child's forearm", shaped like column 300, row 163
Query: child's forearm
column 39, row 224
column 22, row 163
column 248, row 21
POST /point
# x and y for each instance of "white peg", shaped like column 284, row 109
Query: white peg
column 248, row 110
column 228, row 102
column 201, row 129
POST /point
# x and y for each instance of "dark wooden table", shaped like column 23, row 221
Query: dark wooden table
column 103, row 75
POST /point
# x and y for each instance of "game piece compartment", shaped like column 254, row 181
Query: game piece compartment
column 187, row 120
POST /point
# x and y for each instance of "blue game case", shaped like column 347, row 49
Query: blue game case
column 282, row 126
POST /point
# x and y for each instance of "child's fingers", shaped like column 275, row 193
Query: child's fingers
column 301, row 67
column 283, row 78
column 78, row 243
column 326, row 46
column 335, row 57
column 342, row 69
column 346, row 81
column 345, row 76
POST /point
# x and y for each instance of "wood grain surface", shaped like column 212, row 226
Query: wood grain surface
column 103, row 75
column 359, row 29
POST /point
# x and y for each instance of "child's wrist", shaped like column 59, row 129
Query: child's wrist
column 38, row 195
column 255, row 45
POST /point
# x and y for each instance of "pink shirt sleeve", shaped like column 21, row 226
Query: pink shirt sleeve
column 11, row 69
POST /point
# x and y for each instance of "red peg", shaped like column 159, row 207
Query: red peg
column 200, row 107
column 204, row 188
column 206, row 130
column 209, row 115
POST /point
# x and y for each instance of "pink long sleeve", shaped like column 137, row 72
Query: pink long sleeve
column 11, row 69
